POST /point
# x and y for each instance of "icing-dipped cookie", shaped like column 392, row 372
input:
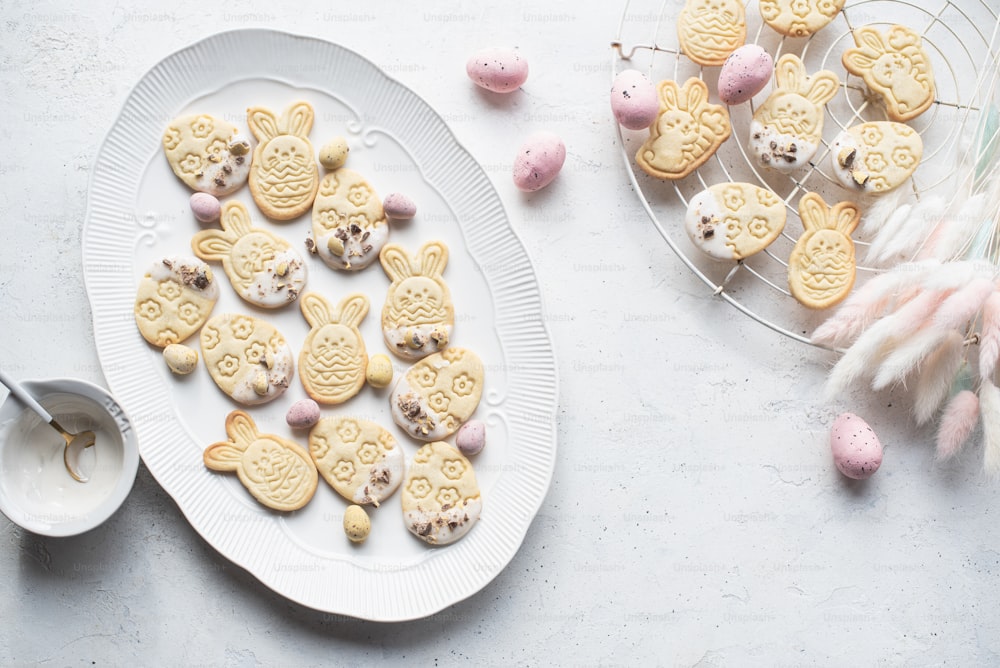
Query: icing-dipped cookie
column 284, row 177
column 358, row 458
column 206, row 153
column 348, row 222
column 799, row 18
column 262, row 267
column 822, row 266
column 787, row 129
column 174, row 299
column 277, row 472
column 438, row 393
column 687, row 131
column 732, row 221
column 441, row 499
column 333, row 359
column 247, row 357
column 710, row 30
column 418, row 314
column 896, row 67
column 876, row 157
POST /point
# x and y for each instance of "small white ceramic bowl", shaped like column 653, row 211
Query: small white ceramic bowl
column 36, row 490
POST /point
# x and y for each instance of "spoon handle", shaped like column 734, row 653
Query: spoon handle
column 22, row 394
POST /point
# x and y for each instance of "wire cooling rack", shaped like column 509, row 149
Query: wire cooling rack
column 959, row 38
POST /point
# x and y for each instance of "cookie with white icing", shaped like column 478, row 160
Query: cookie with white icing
column 348, row 222
column 247, row 357
column 876, row 157
column 418, row 314
column 208, row 154
column 438, row 393
column 174, row 299
column 262, row 267
column 441, row 498
column 358, row 458
column 732, row 221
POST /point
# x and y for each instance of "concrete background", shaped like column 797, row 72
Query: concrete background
column 694, row 518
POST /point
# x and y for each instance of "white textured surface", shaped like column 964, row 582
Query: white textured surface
column 695, row 515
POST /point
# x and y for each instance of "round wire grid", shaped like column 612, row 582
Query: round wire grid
column 960, row 39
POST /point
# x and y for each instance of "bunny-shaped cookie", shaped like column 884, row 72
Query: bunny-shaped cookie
column 333, row 358
column 284, row 177
column 896, row 67
column 277, row 472
column 686, row 133
column 263, row 267
column 821, row 267
column 710, row 30
column 786, row 130
column 418, row 314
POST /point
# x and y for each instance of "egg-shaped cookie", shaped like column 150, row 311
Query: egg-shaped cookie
column 207, row 153
column 348, row 221
column 876, row 157
column 732, row 221
column 799, row 18
column 175, row 297
column 277, row 472
column 709, row 30
column 441, row 498
column 361, row 460
column 247, row 357
column 438, row 393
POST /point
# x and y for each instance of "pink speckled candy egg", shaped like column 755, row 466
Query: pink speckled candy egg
column 471, row 437
column 856, row 449
column 302, row 414
column 744, row 74
column 205, row 207
column 538, row 161
column 399, row 207
column 498, row 69
column 633, row 100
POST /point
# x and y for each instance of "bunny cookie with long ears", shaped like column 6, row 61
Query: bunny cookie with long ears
column 263, row 267
column 333, row 359
column 896, row 67
column 277, row 472
column 284, row 177
column 821, row 267
column 686, row 133
column 418, row 315
column 787, row 129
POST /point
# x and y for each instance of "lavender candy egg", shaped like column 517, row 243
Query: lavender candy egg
column 633, row 100
column 538, row 161
column 856, row 449
column 302, row 414
column 471, row 437
column 399, row 207
column 498, row 69
column 205, row 207
column 744, row 74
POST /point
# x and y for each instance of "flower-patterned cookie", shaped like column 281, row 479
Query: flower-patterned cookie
column 895, row 66
column 799, row 18
column 276, row 471
column 247, row 357
column 438, row 393
column 284, row 177
column 710, row 30
column 333, row 359
column 821, row 267
column 174, row 299
column 876, row 157
column 441, row 499
column 360, row 459
column 732, row 221
column 686, row 133
column 207, row 154
column 263, row 267
column 786, row 130
column 348, row 223
column 418, row 314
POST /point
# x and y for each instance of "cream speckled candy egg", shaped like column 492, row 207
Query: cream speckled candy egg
column 876, row 157
column 633, row 100
column 437, row 394
column 732, row 221
column 247, row 357
column 175, row 297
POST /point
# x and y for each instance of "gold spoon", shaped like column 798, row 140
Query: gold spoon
column 75, row 443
